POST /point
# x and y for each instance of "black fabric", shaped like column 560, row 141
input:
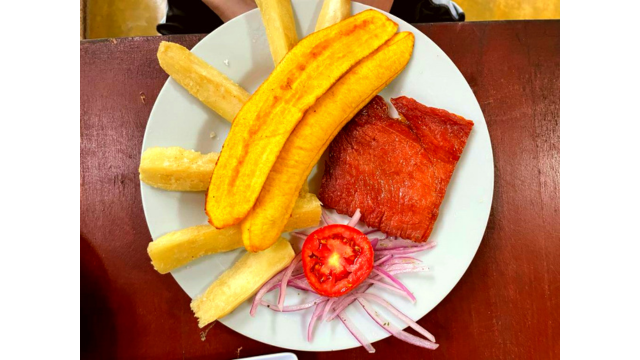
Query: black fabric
column 194, row 17
column 427, row 11
column 189, row 17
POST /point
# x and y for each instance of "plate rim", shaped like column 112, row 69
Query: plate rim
column 414, row 30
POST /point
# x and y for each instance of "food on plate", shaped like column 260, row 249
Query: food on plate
column 332, row 12
column 320, row 124
column 241, row 281
column 395, row 172
column 280, row 26
column 265, row 122
column 336, row 259
column 391, row 257
column 307, row 210
column 202, row 80
column 390, row 173
column 178, row 248
column 177, row 169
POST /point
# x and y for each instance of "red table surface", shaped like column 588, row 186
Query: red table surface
column 506, row 306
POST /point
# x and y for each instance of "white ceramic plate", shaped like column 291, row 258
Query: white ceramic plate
column 239, row 49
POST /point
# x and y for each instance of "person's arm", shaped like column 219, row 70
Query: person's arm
column 227, row 9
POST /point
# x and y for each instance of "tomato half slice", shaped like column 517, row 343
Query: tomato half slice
column 336, row 259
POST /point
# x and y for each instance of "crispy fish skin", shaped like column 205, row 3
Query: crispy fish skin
column 240, row 282
column 265, row 122
column 178, row 248
column 202, row 80
column 321, row 123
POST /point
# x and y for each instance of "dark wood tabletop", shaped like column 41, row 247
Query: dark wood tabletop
column 506, row 306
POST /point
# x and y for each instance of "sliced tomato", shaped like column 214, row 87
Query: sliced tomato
column 336, row 259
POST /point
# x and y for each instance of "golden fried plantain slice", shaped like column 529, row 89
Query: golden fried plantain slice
column 265, row 122
column 321, row 123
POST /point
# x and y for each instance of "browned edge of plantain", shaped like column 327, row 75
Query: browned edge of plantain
column 321, row 123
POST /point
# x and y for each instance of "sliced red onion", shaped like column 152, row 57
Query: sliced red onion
column 345, row 300
column 382, row 260
column 405, row 251
column 354, row 219
column 340, row 305
column 400, row 261
column 399, row 314
column 356, row 332
column 285, row 279
column 374, row 242
column 265, row 289
column 403, row 266
column 303, row 233
column 292, row 308
column 308, row 230
column 298, row 277
column 301, row 285
column 391, row 329
column 409, row 270
column 326, row 218
column 327, row 308
column 404, row 259
column 389, row 287
column 392, row 278
column 314, row 317
column 295, row 282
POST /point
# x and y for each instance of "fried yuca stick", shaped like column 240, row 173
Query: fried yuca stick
column 202, row 80
column 177, row 169
column 320, row 124
column 240, row 282
column 178, row 248
column 265, row 122
column 333, row 11
column 280, row 26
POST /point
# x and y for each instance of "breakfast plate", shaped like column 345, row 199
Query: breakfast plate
column 240, row 50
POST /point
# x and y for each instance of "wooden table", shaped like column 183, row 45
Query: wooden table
column 507, row 305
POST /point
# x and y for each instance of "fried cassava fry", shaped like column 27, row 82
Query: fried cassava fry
column 280, row 26
column 332, row 12
column 177, row 169
column 240, row 282
column 202, row 80
column 178, row 248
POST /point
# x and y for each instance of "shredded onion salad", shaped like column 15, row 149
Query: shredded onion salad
column 391, row 257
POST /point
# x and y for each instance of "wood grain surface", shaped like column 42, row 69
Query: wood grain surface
column 507, row 305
